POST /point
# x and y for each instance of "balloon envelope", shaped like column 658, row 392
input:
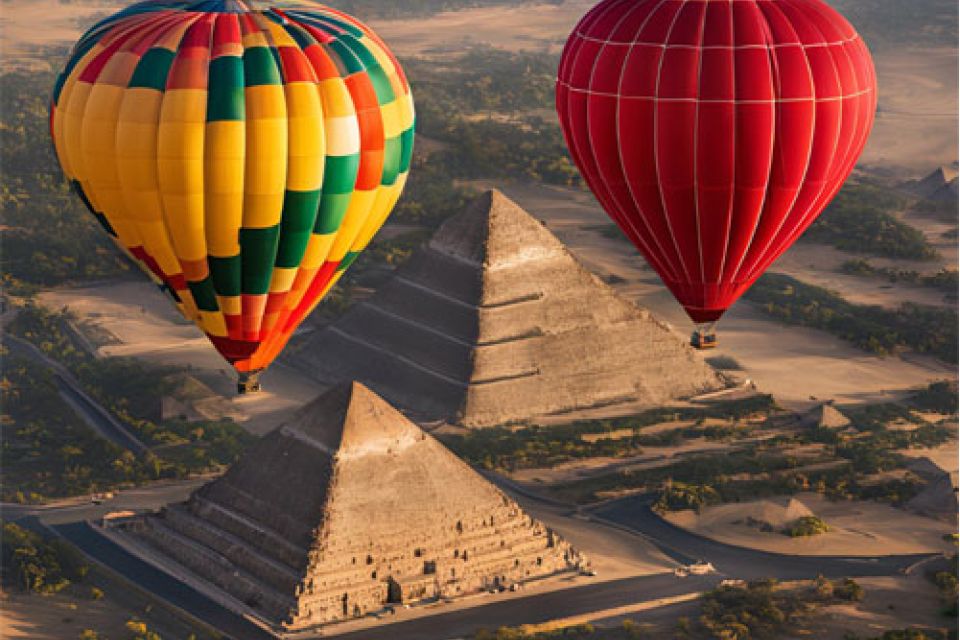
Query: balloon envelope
column 242, row 157
column 714, row 132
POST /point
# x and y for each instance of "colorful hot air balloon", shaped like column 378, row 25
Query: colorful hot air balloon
column 714, row 132
column 242, row 156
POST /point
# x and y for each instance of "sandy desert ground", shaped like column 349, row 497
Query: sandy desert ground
column 888, row 603
column 857, row 528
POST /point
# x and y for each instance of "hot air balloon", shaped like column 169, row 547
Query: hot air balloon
column 714, row 132
column 242, row 156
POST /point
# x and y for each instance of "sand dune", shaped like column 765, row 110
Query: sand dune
column 857, row 527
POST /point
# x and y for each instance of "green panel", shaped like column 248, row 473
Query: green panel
column 332, row 208
column 259, row 67
column 351, row 63
column 381, row 85
column 392, row 150
column 258, row 250
column 340, row 173
column 153, row 68
column 348, row 259
column 225, row 99
column 204, row 295
column 406, row 154
column 296, row 224
column 365, row 55
column 226, row 274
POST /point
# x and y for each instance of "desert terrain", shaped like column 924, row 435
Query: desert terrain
column 856, row 528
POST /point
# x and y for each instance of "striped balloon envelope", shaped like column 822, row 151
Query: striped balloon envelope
column 243, row 155
column 714, row 132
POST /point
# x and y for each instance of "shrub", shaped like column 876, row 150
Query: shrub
column 806, row 526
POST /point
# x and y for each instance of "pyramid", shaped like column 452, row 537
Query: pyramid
column 940, row 185
column 824, row 416
column 494, row 321
column 345, row 508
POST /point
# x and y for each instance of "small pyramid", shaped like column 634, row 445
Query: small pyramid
column 494, row 321
column 824, row 416
column 939, row 185
column 346, row 508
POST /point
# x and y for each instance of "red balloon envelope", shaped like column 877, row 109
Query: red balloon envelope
column 714, row 132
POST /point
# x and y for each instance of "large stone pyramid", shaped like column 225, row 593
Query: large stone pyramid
column 495, row 321
column 345, row 508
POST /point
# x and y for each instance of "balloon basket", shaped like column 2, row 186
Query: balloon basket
column 248, row 382
column 704, row 337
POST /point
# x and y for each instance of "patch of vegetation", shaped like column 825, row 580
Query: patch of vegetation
column 846, row 468
column 805, row 526
column 947, row 586
column 50, row 236
column 924, row 329
column 482, row 105
column 945, row 280
column 904, row 634
column 860, row 219
column 678, row 496
column 34, row 563
column 50, row 452
column 763, row 609
column 540, row 446
column 941, row 397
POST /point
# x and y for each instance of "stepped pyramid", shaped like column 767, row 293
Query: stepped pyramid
column 495, row 321
column 345, row 508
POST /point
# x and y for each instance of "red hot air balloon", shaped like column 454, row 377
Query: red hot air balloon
column 714, row 132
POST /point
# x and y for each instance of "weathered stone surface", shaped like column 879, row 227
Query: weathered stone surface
column 495, row 321
column 349, row 506
column 823, row 416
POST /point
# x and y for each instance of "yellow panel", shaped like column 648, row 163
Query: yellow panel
column 230, row 305
column 353, row 220
column 282, row 279
column 278, row 34
column 137, row 167
column 73, row 127
column 336, row 98
column 392, row 114
column 306, row 136
column 98, row 140
column 318, row 247
column 387, row 197
column 223, row 173
column 266, row 156
column 213, row 323
column 61, row 121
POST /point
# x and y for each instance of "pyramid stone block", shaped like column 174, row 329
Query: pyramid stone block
column 494, row 321
column 347, row 507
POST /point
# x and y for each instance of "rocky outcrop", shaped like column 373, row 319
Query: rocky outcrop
column 348, row 507
column 494, row 321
